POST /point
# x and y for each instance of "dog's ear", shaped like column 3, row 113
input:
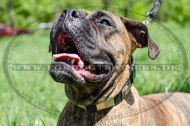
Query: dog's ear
column 140, row 33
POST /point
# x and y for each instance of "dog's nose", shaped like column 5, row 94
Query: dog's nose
column 71, row 13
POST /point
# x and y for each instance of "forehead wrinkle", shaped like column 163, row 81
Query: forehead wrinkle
column 101, row 13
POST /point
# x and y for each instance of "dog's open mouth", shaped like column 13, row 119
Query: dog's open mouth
column 69, row 59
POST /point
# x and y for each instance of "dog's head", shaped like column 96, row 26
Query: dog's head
column 88, row 47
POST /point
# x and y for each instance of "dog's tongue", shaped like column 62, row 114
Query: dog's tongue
column 86, row 74
column 73, row 57
column 80, row 70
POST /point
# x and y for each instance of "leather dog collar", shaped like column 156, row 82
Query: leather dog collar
column 118, row 98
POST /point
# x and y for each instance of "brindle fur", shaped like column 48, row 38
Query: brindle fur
column 134, row 110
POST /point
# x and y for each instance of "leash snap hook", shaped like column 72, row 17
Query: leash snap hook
column 152, row 12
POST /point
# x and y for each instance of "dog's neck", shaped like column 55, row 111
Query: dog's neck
column 92, row 94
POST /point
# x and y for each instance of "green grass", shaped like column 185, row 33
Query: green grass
column 40, row 88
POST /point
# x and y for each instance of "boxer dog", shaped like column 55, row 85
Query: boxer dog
column 92, row 56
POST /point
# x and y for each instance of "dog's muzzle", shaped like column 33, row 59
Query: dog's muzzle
column 77, row 59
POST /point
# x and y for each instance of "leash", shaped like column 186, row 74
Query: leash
column 152, row 12
column 118, row 98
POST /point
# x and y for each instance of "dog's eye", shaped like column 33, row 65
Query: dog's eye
column 105, row 22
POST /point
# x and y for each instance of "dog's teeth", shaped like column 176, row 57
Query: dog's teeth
column 72, row 61
column 89, row 67
column 68, row 60
column 81, row 64
column 92, row 67
column 82, row 79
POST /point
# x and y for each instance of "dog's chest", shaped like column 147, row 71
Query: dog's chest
column 119, row 115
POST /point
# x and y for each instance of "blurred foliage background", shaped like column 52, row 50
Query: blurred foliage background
column 33, row 48
column 27, row 11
